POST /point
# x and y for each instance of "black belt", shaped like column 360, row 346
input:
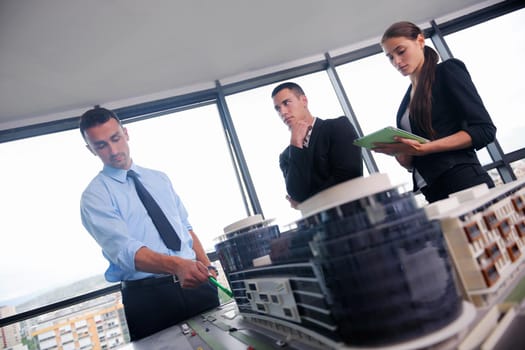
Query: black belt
column 149, row 281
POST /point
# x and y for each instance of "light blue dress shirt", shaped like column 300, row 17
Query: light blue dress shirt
column 113, row 214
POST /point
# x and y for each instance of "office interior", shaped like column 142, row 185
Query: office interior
column 192, row 84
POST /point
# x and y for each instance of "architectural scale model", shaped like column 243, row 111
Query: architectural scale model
column 485, row 232
column 243, row 241
column 364, row 267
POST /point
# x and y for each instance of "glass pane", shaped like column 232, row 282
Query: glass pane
column 94, row 324
column 375, row 103
column 44, row 177
column 493, row 52
column 44, row 243
column 190, row 147
column 494, row 174
column 519, row 168
column 483, row 156
column 263, row 136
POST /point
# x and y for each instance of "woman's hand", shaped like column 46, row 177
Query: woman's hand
column 293, row 203
column 402, row 146
column 404, row 160
column 458, row 140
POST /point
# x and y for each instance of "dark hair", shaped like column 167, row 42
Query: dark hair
column 94, row 117
column 421, row 104
column 296, row 89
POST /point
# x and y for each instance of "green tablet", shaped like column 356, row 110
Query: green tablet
column 386, row 135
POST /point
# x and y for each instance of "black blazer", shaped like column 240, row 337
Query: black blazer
column 331, row 158
column 456, row 105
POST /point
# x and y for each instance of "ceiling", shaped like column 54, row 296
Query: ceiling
column 60, row 57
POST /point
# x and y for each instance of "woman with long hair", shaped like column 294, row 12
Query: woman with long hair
column 443, row 106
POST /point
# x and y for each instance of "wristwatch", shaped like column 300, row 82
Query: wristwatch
column 211, row 267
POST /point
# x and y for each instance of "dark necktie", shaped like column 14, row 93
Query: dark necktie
column 166, row 231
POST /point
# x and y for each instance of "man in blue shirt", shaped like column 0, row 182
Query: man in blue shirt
column 160, row 286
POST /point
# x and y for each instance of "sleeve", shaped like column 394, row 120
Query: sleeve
column 345, row 157
column 464, row 96
column 295, row 164
column 108, row 229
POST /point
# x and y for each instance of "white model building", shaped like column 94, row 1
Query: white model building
column 485, row 231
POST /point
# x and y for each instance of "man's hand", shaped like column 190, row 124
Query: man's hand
column 212, row 271
column 191, row 273
column 299, row 131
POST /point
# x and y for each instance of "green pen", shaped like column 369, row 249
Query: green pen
column 220, row 286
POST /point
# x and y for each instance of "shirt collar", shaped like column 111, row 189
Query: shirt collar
column 119, row 175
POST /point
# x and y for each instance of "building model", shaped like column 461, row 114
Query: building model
column 485, row 232
column 363, row 267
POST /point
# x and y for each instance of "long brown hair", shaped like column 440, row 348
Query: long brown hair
column 420, row 109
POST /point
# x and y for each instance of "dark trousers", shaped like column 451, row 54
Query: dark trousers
column 456, row 179
column 154, row 304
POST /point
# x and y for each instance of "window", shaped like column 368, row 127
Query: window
column 375, row 102
column 263, row 136
column 375, row 90
column 190, row 147
column 44, row 244
column 492, row 52
column 42, row 232
column 519, row 168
